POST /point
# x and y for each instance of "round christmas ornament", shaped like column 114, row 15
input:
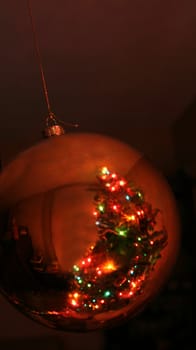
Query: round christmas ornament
column 89, row 232
column 88, row 229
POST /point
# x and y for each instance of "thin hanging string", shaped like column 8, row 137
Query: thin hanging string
column 36, row 44
column 53, row 125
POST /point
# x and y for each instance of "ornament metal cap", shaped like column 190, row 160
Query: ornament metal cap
column 53, row 127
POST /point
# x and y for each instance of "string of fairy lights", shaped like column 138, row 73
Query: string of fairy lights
column 117, row 267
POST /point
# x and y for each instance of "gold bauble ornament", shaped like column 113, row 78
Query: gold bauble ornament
column 89, row 232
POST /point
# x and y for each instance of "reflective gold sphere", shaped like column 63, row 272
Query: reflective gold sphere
column 89, row 232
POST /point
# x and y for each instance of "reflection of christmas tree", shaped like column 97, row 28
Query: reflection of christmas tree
column 117, row 266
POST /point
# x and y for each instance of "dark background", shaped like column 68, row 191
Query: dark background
column 122, row 68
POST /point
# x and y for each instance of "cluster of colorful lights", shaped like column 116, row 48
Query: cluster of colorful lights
column 117, row 267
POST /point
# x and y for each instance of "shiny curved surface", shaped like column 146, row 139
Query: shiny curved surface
column 89, row 232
